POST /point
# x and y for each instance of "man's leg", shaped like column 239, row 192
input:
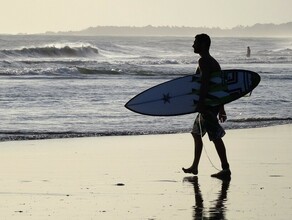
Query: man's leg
column 220, row 148
column 197, row 155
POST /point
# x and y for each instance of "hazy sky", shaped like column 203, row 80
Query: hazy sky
column 35, row 16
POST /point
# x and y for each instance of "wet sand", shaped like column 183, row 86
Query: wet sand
column 140, row 177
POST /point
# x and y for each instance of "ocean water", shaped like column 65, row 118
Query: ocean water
column 62, row 86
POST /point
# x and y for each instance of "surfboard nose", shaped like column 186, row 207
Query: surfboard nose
column 256, row 78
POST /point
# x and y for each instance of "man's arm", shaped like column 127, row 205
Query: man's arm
column 205, row 78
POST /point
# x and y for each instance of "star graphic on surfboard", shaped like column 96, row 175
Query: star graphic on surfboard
column 166, row 98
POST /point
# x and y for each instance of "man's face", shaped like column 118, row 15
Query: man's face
column 196, row 47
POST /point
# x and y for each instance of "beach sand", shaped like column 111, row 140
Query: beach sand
column 140, row 177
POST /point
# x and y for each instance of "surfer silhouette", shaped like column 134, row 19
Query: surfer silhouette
column 248, row 52
column 207, row 121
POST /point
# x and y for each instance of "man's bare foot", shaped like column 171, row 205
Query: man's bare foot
column 190, row 170
column 223, row 174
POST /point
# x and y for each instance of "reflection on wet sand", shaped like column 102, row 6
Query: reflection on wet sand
column 218, row 208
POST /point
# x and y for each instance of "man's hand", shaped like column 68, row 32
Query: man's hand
column 222, row 114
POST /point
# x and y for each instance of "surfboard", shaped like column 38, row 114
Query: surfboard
column 180, row 96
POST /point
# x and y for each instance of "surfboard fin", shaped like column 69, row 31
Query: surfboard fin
column 248, row 94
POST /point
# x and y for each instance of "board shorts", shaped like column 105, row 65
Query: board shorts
column 208, row 122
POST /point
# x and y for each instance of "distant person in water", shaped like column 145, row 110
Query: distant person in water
column 207, row 121
column 248, row 52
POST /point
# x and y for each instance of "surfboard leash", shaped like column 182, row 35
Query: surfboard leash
column 201, row 133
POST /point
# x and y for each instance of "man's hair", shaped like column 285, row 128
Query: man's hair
column 204, row 38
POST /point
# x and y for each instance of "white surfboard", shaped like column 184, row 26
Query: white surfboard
column 180, row 96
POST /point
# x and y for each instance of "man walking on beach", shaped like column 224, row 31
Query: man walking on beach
column 207, row 120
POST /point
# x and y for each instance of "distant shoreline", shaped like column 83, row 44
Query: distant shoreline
column 257, row 30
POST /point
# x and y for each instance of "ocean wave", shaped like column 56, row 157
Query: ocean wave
column 245, row 123
column 87, row 71
column 133, row 71
column 23, row 135
column 272, row 119
column 42, row 72
column 27, row 135
column 231, row 124
column 73, row 71
column 279, row 52
column 51, row 51
column 162, row 61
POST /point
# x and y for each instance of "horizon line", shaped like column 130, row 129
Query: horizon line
column 145, row 26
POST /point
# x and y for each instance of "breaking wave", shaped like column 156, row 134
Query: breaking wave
column 52, row 51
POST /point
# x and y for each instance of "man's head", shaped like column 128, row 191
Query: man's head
column 202, row 43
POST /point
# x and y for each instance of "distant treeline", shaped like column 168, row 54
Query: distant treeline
column 257, row 30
